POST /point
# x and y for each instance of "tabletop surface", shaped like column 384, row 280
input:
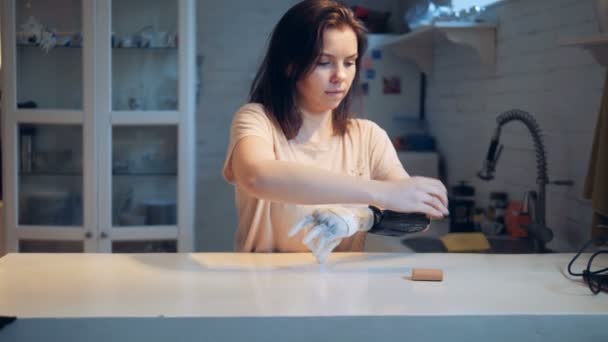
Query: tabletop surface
column 291, row 284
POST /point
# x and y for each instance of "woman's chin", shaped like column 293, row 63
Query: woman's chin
column 333, row 104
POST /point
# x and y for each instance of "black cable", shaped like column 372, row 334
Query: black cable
column 596, row 280
column 6, row 320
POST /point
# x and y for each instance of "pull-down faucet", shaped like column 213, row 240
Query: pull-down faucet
column 537, row 230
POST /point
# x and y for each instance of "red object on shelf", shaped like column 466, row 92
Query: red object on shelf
column 360, row 12
column 515, row 220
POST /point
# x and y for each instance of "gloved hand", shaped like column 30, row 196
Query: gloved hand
column 329, row 225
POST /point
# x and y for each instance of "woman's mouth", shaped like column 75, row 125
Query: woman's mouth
column 335, row 92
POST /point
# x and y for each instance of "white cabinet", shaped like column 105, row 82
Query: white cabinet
column 98, row 125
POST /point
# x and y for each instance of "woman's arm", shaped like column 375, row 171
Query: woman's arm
column 256, row 170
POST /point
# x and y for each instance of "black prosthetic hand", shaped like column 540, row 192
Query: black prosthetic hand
column 393, row 223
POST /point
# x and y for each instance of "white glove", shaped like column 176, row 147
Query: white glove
column 329, row 225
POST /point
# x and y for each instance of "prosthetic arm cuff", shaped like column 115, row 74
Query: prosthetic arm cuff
column 392, row 223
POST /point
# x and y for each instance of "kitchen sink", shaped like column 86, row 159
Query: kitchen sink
column 498, row 245
column 512, row 245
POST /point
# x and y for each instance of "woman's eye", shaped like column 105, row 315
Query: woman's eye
column 323, row 63
column 348, row 64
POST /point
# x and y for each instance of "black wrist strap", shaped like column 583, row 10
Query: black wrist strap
column 377, row 218
column 392, row 223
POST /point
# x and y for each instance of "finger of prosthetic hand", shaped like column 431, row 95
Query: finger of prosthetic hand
column 314, row 232
column 323, row 253
column 311, row 245
column 328, row 235
column 303, row 223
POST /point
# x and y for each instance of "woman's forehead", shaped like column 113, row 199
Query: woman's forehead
column 339, row 42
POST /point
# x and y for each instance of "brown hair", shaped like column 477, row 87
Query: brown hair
column 295, row 45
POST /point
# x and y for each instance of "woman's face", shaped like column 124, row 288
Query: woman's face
column 328, row 82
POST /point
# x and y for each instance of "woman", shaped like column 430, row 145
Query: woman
column 294, row 147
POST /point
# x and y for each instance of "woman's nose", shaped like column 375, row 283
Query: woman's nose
column 339, row 74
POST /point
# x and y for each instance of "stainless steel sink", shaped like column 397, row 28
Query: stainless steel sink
column 512, row 245
column 498, row 245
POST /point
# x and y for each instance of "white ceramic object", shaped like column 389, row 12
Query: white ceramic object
column 602, row 14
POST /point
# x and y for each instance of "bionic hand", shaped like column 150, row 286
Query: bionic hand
column 329, row 225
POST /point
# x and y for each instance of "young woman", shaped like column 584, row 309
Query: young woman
column 295, row 148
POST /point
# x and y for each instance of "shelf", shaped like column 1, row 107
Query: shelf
column 597, row 45
column 418, row 45
column 54, row 47
column 167, row 48
column 49, row 174
column 164, row 48
column 144, row 174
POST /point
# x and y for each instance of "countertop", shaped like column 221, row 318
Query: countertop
column 529, row 296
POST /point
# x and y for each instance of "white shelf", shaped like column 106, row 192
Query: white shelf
column 418, row 45
column 597, row 45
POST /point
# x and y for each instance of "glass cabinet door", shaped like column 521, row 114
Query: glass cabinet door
column 144, row 175
column 144, row 55
column 50, row 175
column 144, row 183
column 49, row 54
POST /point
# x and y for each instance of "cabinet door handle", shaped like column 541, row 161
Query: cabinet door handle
column 103, row 235
column 88, row 235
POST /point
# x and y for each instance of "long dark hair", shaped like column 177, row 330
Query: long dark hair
column 295, row 45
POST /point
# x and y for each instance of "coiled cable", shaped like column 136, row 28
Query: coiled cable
column 596, row 280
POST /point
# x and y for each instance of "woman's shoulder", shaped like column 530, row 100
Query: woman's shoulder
column 254, row 117
column 364, row 127
column 253, row 111
column 252, row 108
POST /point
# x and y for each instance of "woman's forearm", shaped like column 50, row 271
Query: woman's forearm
column 284, row 181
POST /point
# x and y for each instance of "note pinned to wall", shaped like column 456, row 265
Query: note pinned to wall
column 391, row 85
column 376, row 54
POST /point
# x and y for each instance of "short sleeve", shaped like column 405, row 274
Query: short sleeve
column 383, row 155
column 249, row 120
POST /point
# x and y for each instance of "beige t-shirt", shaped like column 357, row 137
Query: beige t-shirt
column 364, row 151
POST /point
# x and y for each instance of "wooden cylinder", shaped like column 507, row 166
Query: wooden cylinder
column 427, row 274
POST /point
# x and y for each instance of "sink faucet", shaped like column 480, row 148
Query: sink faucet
column 537, row 229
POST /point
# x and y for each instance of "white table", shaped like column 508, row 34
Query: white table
column 288, row 297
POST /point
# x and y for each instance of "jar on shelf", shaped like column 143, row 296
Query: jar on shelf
column 462, row 208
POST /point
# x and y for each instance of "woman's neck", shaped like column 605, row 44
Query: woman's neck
column 316, row 127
